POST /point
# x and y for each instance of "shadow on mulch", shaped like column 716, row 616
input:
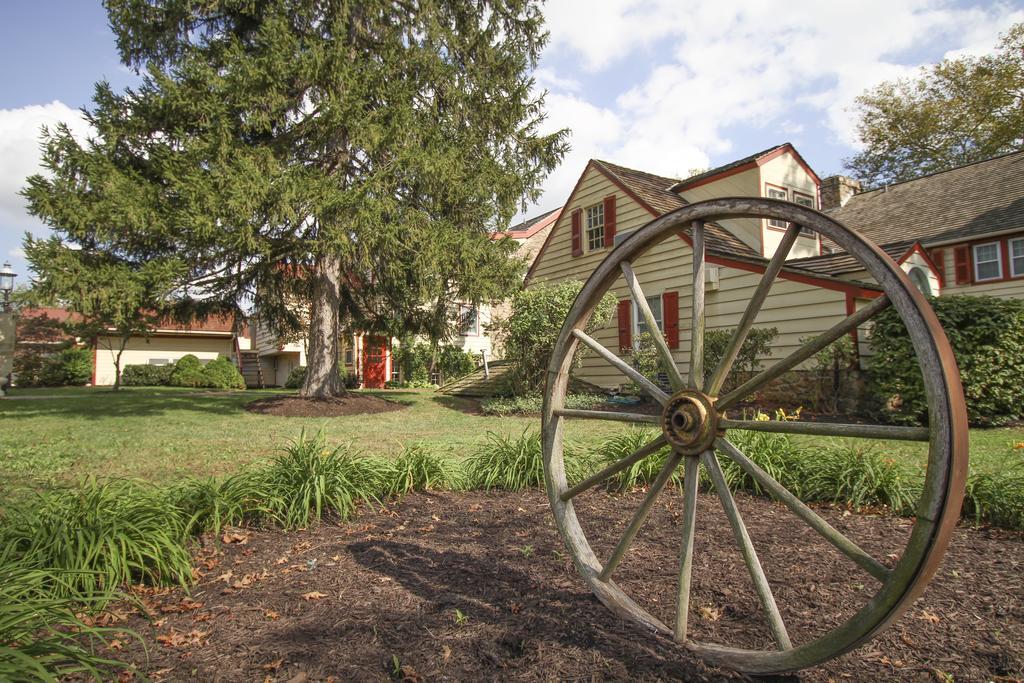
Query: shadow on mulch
column 289, row 405
column 477, row 586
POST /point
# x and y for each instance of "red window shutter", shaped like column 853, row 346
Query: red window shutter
column 625, row 325
column 962, row 264
column 577, row 237
column 609, row 221
column 670, row 318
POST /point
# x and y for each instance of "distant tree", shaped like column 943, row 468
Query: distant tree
column 352, row 155
column 954, row 113
column 115, row 299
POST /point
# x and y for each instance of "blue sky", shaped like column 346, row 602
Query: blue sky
column 667, row 86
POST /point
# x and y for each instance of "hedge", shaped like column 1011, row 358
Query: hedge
column 987, row 336
column 189, row 371
column 146, row 375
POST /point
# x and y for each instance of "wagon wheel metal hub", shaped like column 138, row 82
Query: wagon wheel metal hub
column 690, row 422
column 696, row 431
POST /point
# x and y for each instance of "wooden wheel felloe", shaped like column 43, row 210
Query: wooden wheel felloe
column 695, row 424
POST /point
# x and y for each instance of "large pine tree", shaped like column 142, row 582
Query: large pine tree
column 349, row 154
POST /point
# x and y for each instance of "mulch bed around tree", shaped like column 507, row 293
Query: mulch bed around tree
column 287, row 405
column 477, row 586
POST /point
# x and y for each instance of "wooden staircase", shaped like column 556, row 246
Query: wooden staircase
column 251, row 369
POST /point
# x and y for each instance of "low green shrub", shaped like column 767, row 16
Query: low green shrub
column 453, row 362
column 516, row 463
column 188, row 372
column 532, row 403
column 296, row 377
column 104, row 534
column 42, row 637
column 221, row 373
column 987, row 336
column 147, row 375
column 70, row 367
column 756, row 346
column 419, row 469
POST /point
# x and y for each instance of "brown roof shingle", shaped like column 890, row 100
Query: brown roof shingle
column 653, row 190
column 962, row 203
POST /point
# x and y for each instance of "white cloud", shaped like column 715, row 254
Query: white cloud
column 743, row 63
column 20, row 153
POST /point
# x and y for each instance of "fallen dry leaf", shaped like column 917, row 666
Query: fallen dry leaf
column 272, row 666
column 235, row 537
column 272, row 615
column 711, row 613
column 115, row 644
column 313, row 595
column 929, row 617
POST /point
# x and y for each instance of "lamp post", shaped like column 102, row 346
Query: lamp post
column 7, row 284
column 6, row 327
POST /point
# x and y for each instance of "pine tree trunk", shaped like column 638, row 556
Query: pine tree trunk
column 322, row 378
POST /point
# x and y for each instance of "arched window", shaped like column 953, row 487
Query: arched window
column 919, row 276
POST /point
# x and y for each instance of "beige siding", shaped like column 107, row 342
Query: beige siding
column 797, row 310
column 140, row 351
column 744, row 184
column 784, row 171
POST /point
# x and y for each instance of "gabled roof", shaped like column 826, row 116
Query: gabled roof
column 744, row 164
column 531, row 226
column 652, row 192
column 959, row 204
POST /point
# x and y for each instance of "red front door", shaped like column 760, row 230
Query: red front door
column 375, row 362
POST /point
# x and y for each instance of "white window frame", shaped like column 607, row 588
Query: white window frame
column 659, row 317
column 1013, row 259
column 593, row 232
column 805, row 231
column 768, row 189
column 998, row 261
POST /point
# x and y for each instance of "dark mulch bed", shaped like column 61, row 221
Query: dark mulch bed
column 287, row 405
column 381, row 597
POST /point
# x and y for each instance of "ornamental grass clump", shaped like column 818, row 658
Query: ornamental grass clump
column 776, row 454
column 212, row 504
column 102, row 534
column 309, row 479
column 641, row 473
column 42, row 636
column 859, row 476
column 515, row 463
column 420, row 469
column 996, row 497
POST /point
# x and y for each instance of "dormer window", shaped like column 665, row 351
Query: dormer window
column 595, row 227
column 776, row 193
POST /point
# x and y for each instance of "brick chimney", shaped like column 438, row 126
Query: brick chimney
column 836, row 190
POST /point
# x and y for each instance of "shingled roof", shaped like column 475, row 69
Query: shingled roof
column 518, row 229
column 962, row 203
column 653, row 190
column 841, row 262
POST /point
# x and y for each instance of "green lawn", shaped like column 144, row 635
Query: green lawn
column 164, row 433
column 161, row 434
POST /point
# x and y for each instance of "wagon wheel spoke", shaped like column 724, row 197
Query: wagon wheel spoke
column 696, row 379
column 612, row 415
column 640, row 515
column 803, row 353
column 813, row 520
column 690, row 480
column 625, row 368
column 830, row 429
column 753, row 308
column 674, row 378
column 616, row 467
column 764, row 591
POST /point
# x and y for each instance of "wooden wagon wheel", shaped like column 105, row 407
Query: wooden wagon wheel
column 695, row 424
